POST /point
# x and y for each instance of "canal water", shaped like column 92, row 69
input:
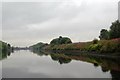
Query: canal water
column 26, row 64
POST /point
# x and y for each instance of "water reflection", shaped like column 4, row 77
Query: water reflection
column 111, row 64
column 115, row 74
column 60, row 59
column 107, row 64
column 54, row 56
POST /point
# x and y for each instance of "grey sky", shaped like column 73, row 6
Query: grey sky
column 0, row 20
column 119, row 10
column 26, row 23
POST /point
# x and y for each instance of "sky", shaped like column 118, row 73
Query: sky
column 26, row 23
column 119, row 10
column 0, row 20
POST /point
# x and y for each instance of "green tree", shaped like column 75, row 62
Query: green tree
column 61, row 40
column 104, row 34
column 115, row 30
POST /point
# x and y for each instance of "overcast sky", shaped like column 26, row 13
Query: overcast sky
column 26, row 23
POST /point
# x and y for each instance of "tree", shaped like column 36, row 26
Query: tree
column 104, row 34
column 61, row 40
column 115, row 30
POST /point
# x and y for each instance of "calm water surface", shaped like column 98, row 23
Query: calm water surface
column 26, row 64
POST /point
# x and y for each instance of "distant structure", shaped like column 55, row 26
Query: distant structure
column 119, row 10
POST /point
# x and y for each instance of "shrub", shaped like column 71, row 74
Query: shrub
column 109, row 46
column 94, row 47
column 95, row 41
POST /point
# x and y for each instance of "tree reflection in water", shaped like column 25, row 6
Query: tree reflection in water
column 60, row 59
column 106, row 64
column 115, row 74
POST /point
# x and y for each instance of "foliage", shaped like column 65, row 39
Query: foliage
column 104, row 34
column 5, row 49
column 72, row 46
column 110, row 46
column 38, row 46
column 114, row 32
column 95, row 41
column 94, row 47
column 60, row 40
column 102, row 46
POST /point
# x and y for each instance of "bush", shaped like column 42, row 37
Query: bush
column 110, row 46
column 95, row 41
column 94, row 47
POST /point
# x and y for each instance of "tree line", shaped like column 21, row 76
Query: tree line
column 113, row 33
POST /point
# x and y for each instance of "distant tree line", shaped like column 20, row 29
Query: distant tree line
column 114, row 32
column 56, row 41
column 21, row 48
column 38, row 46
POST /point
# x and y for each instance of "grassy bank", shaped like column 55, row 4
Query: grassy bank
column 101, row 46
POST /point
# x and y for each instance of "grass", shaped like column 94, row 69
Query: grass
column 101, row 46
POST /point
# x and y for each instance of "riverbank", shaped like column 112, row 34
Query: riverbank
column 5, row 49
column 109, row 43
column 111, row 47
